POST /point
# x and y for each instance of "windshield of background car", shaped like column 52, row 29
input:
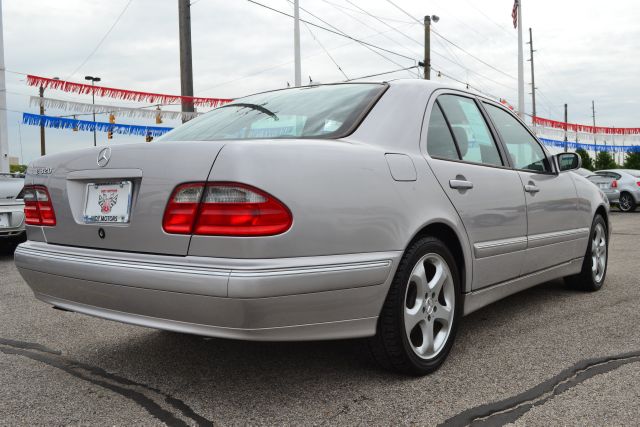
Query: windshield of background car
column 330, row 111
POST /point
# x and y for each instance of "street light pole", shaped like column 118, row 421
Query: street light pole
column 297, row 78
column 4, row 137
column 93, row 103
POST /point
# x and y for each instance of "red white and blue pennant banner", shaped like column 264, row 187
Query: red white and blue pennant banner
column 83, row 107
column 125, row 94
column 573, row 127
column 86, row 125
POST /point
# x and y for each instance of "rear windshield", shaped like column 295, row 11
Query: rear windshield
column 329, row 111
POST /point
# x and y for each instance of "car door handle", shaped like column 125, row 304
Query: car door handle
column 531, row 188
column 460, row 184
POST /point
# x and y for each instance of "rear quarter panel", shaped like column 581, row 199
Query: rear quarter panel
column 341, row 193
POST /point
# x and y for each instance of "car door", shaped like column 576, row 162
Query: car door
column 555, row 226
column 488, row 196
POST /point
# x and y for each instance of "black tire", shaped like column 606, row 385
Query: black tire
column 390, row 346
column 587, row 280
column 627, row 203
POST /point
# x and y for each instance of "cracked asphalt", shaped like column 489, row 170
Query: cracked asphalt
column 547, row 356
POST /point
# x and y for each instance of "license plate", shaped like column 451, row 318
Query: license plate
column 108, row 203
column 4, row 220
column 603, row 186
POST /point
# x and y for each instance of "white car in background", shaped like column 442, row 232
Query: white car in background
column 12, row 228
column 627, row 183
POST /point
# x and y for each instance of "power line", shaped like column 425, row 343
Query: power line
column 345, row 34
column 101, row 40
column 369, row 26
column 381, row 21
column 332, row 31
column 491, row 20
column 450, row 42
column 357, row 11
column 275, row 66
column 381, row 74
column 326, row 51
column 13, row 72
column 472, row 55
column 453, row 55
column 405, row 12
column 343, row 11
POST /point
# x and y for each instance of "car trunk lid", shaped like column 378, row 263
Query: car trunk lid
column 141, row 176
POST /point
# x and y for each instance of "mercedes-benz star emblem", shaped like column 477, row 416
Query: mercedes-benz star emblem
column 104, row 156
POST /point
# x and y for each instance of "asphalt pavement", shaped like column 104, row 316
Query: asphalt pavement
column 547, row 356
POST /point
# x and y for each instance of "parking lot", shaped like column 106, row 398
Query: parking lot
column 549, row 355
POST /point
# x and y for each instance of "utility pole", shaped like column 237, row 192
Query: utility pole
column 593, row 111
column 296, row 44
column 186, row 65
column 93, row 102
column 4, row 136
column 427, row 44
column 533, row 75
column 43, row 150
column 566, row 124
column 520, row 64
column 427, row 47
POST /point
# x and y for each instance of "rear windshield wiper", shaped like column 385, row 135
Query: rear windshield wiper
column 254, row 107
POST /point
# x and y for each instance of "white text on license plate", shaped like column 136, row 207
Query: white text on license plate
column 109, row 203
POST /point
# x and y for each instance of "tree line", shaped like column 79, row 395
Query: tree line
column 604, row 160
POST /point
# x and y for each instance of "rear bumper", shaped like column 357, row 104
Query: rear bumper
column 16, row 228
column 612, row 196
column 304, row 298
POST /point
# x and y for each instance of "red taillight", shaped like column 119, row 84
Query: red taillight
column 638, row 183
column 225, row 209
column 614, row 184
column 38, row 209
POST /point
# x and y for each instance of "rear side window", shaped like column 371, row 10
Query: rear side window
column 524, row 150
column 440, row 143
column 470, row 130
column 330, row 111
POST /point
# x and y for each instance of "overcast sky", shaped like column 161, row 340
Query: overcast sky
column 584, row 50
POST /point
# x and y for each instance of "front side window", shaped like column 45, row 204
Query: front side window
column 524, row 150
column 470, row 130
column 328, row 111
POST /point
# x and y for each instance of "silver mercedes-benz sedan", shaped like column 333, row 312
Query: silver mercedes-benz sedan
column 386, row 210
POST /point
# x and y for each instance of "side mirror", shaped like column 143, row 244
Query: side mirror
column 568, row 161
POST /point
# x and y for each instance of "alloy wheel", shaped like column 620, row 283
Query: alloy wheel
column 625, row 202
column 429, row 306
column 599, row 253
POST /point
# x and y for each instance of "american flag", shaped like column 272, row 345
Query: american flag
column 514, row 14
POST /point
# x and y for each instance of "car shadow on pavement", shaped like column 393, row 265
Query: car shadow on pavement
column 188, row 356
column 327, row 381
